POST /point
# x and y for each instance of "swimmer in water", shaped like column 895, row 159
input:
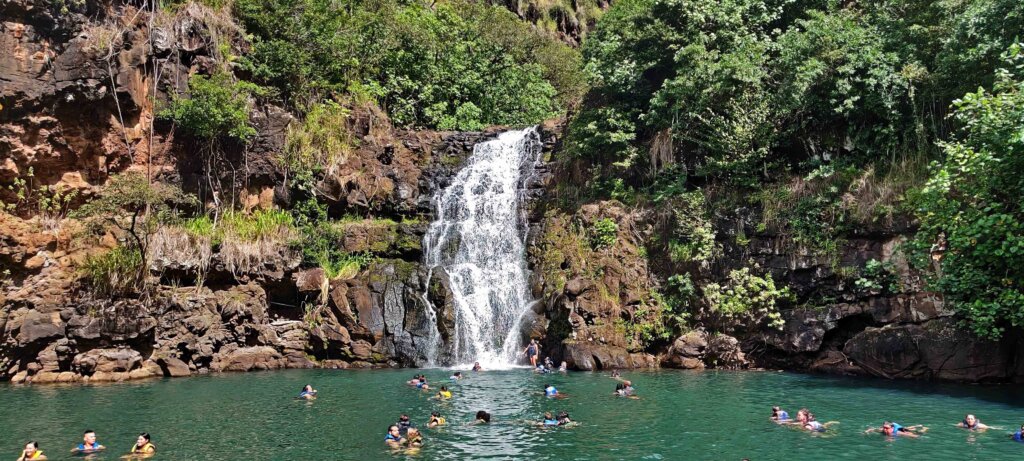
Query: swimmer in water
column 562, row 367
column 89, row 443
column 403, row 424
column 143, row 444
column 548, row 363
column 806, row 420
column 971, row 423
column 549, row 420
column 624, row 389
column 550, row 391
column 31, row 451
column 1019, row 435
column 307, row 393
column 413, row 439
column 436, row 420
column 891, row 429
column 477, row 367
column 563, row 419
column 443, row 394
column 779, row 415
column 482, row 417
column 393, row 438
column 455, row 377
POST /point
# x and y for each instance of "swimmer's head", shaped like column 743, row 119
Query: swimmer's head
column 887, row 428
column 483, row 416
column 970, row 420
column 143, row 438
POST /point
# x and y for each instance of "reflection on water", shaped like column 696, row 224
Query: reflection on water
column 680, row 415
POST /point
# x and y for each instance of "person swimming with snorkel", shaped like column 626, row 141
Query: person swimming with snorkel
column 891, row 429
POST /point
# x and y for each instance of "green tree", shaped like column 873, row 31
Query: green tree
column 216, row 107
column 135, row 207
column 971, row 211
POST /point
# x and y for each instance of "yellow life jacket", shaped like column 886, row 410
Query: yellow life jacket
column 441, row 421
column 445, row 394
column 147, row 448
column 36, row 455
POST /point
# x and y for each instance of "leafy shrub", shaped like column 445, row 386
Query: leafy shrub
column 971, row 213
column 877, row 277
column 744, row 300
column 216, row 107
column 692, row 236
column 319, row 143
column 604, row 233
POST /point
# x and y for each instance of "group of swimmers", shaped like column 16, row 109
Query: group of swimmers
column 805, row 420
column 143, row 447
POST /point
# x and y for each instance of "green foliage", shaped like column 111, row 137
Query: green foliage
column 132, row 204
column 321, row 245
column 458, row 65
column 51, row 203
column 116, row 272
column 240, row 227
column 604, row 233
column 877, row 277
column 744, row 300
column 216, row 107
column 692, row 236
column 320, row 142
column 971, row 213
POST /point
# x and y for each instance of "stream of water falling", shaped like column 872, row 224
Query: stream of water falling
column 478, row 237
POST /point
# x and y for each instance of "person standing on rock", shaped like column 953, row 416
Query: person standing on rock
column 531, row 351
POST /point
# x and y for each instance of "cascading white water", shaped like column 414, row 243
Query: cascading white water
column 478, row 238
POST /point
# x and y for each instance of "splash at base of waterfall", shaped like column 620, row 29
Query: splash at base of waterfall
column 478, row 238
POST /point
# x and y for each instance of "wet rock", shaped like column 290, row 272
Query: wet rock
column 937, row 349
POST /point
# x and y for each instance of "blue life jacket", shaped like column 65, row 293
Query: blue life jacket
column 550, row 422
column 1019, row 436
column 783, row 416
column 551, row 391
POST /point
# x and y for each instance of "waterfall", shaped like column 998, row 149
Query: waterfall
column 478, row 237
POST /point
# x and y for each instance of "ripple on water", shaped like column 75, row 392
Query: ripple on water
column 681, row 415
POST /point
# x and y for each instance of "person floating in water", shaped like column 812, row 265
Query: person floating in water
column 563, row 367
column 419, row 382
column 548, row 363
column 413, row 439
column 550, row 391
column 89, row 443
column 549, row 420
column 404, row 424
column 482, row 417
column 540, row 369
column 808, row 422
column 891, row 429
column 531, row 351
column 971, row 423
column 624, row 389
column 779, row 415
column 31, row 451
column 436, row 420
column 393, row 438
column 455, row 377
column 308, row 393
column 1019, row 435
column 477, row 367
column 444, row 393
column 563, row 419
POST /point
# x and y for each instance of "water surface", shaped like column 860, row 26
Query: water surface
column 681, row 415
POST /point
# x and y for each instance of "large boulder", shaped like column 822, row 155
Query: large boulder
column 107, row 361
column 248, row 359
column 937, row 349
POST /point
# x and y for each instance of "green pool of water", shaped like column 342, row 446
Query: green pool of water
column 681, row 415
